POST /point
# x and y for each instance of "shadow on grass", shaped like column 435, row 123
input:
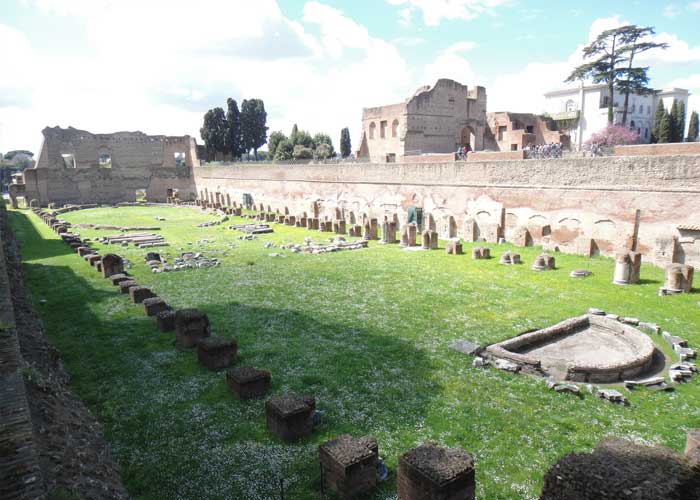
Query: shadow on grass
column 33, row 244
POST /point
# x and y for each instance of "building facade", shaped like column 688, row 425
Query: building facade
column 583, row 111
column 434, row 120
column 517, row 131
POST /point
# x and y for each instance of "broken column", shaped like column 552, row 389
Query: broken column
column 679, row 278
column 481, row 253
column 510, row 258
column 543, row 262
column 522, row 237
column 454, row 247
column 370, row 229
column 289, row 416
column 431, row 471
column 165, row 320
column 627, row 268
column 154, row 305
column 339, row 226
column 191, row 326
column 388, row 232
column 349, row 466
column 408, row 235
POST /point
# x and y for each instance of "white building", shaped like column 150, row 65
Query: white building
column 584, row 110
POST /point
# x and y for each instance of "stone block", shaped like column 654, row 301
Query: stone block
column 83, row 251
column 370, row 230
column 408, row 235
column 139, row 293
column 154, row 305
column 290, row 417
column 510, row 258
column 124, row 286
column 312, row 223
column 522, row 237
column 339, row 226
column 247, row 382
column 543, row 262
column 349, row 466
column 454, row 247
column 481, row 253
column 191, row 326
column 584, row 246
column 471, row 231
column 433, row 472
column 216, row 353
column 112, row 264
column 93, row 259
column 679, row 278
column 389, row 232
column 491, row 232
column 165, row 320
column 118, row 278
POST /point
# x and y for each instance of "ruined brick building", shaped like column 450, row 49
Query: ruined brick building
column 434, row 120
column 517, row 131
column 76, row 166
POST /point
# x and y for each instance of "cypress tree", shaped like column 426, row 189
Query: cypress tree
column 673, row 114
column 665, row 130
column 660, row 113
column 693, row 127
column 346, row 148
column 678, row 118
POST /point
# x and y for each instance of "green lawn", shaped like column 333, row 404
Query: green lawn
column 366, row 332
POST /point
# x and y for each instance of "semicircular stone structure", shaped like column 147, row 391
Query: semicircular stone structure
column 587, row 348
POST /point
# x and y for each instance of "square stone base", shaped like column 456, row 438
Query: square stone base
column 246, row 382
column 216, row 353
column 290, row 417
column 436, row 473
column 349, row 466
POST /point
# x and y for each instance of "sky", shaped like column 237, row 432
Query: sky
column 158, row 65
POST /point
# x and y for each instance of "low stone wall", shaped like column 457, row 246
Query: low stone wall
column 49, row 442
column 676, row 148
column 588, row 206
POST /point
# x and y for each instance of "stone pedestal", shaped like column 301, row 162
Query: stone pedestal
column 339, row 226
column 522, row 237
column 312, row 223
column 325, row 226
column 679, row 278
column 349, row 466
column 290, row 417
column 118, row 278
column 543, row 262
column 388, row 232
column 165, row 320
column 93, row 259
column 627, row 268
column 139, row 293
column 454, row 247
column 124, row 286
column 355, row 231
column 510, row 258
column 191, row 326
column 370, row 230
column 408, row 235
column 481, row 253
column 216, row 353
column 432, row 472
column 112, row 264
column 154, row 305
column 247, row 382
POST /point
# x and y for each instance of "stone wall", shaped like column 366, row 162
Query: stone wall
column 577, row 205
column 675, row 148
column 72, row 168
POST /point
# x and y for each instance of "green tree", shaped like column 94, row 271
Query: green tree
column 636, row 79
column 678, row 119
column 665, row 130
column 673, row 112
column 321, row 138
column 323, row 151
column 213, row 132
column 605, row 66
column 302, row 152
column 345, row 147
column 693, row 127
column 658, row 116
column 253, row 125
column 284, row 150
column 303, row 138
column 233, row 133
column 273, row 141
column 293, row 137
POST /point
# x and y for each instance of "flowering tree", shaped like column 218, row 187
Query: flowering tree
column 613, row 135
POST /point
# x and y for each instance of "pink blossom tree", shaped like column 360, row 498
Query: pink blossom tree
column 613, row 135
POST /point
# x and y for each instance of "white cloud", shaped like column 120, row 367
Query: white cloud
column 434, row 11
column 671, row 11
column 694, row 6
column 451, row 64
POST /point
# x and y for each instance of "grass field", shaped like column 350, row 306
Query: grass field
column 366, row 332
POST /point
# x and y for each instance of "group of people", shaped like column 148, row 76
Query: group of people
column 462, row 152
column 551, row 150
column 594, row 149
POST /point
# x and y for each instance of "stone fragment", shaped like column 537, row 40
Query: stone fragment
column 522, row 237
column 139, row 293
column 289, row 416
column 612, row 395
column 349, row 466
column 679, row 279
column 433, row 472
column 165, row 320
column 408, row 235
column 154, row 305
column 508, row 366
column 247, row 382
column 580, row 273
column 191, row 326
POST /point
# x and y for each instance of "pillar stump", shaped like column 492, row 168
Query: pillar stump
column 139, row 293
column 510, row 258
column 453, row 247
column 289, row 416
column 118, row 278
column 112, row 264
column 247, row 382
column 349, row 465
column 165, row 321
column 432, row 472
column 216, row 353
column 124, row 286
column 191, row 326
column 154, row 305
column 481, row 253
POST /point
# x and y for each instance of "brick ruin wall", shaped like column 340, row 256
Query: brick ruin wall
column 577, row 205
column 50, row 444
column 138, row 162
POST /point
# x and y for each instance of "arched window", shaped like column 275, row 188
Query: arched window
column 632, row 124
column 570, row 105
column 372, row 126
column 395, row 128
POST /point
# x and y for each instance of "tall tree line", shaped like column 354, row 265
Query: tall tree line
column 611, row 62
column 235, row 132
column 669, row 126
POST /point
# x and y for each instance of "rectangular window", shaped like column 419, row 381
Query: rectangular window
column 179, row 159
column 513, row 147
column 382, row 129
column 530, row 129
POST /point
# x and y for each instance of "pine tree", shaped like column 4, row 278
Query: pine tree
column 678, row 118
column 660, row 113
column 345, row 147
column 693, row 127
column 665, row 130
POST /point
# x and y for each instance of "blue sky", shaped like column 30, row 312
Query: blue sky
column 158, row 65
